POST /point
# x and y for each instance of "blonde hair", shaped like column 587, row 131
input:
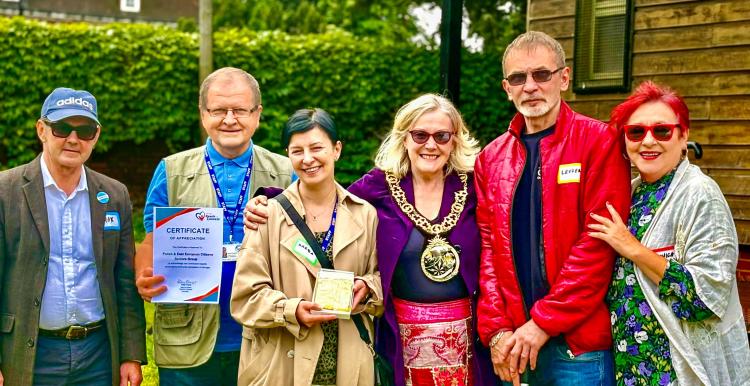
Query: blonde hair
column 392, row 156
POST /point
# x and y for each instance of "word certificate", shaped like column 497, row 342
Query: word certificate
column 188, row 251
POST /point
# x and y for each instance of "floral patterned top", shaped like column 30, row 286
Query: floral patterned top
column 641, row 351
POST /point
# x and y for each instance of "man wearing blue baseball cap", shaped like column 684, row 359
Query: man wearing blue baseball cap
column 69, row 309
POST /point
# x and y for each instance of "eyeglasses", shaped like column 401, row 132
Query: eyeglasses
column 660, row 131
column 539, row 76
column 62, row 129
column 238, row 113
column 421, row 136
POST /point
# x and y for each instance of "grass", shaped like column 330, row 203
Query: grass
column 150, row 373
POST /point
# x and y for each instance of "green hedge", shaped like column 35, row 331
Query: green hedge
column 145, row 79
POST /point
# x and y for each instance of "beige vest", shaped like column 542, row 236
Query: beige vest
column 185, row 334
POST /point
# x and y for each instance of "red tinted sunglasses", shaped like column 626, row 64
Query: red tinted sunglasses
column 440, row 137
column 660, row 131
column 62, row 129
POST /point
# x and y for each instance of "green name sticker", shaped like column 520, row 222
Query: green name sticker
column 303, row 249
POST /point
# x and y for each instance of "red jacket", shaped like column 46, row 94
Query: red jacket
column 582, row 168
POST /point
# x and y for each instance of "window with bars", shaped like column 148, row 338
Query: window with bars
column 130, row 5
column 602, row 46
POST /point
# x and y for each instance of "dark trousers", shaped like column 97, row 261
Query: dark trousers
column 220, row 370
column 85, row 362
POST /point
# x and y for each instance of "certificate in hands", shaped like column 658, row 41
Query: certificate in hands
column 187, row 251
column 333, row 292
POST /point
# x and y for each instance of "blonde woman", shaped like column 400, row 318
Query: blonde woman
column 428, row 246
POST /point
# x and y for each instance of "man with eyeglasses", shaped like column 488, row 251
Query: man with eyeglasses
column 200, row 344
column 69, row 309
column 543, row 277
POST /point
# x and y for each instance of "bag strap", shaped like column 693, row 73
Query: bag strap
column 305, row 230
column 322, row 258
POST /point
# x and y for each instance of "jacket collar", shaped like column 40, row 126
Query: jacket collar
column 348, row 227
column 37, row 204
column 33, row 190
column 518, row 123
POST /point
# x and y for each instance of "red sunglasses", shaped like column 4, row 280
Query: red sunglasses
column 440, row 137
column 660, row 131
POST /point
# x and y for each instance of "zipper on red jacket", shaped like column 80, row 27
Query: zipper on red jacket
column 510, row 216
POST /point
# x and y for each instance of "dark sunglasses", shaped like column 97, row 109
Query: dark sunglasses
column 421, row 136
column 660, row 131
column 539, row 76
column 62, row 129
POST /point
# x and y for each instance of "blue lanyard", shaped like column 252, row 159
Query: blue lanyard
column 231, row 218
column 329, row 235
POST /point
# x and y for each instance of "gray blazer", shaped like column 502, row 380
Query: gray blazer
column 24, row 253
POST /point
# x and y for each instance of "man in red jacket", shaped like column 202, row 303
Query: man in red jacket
column 543, row 277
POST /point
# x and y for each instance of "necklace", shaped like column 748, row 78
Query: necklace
column 314, row 216
column 439, row 260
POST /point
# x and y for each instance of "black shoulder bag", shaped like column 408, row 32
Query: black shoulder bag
column 383, row 369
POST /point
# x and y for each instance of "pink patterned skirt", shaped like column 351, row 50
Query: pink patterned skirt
column 436, row 342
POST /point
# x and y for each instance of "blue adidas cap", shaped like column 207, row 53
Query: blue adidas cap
column 65, row 102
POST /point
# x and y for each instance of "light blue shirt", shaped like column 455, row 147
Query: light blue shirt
column 71, row 294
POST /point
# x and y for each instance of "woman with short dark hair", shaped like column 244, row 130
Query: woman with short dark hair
column 286, row 338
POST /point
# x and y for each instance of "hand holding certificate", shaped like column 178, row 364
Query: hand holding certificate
column 188, row 251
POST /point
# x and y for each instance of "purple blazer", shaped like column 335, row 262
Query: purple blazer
column 394, row 228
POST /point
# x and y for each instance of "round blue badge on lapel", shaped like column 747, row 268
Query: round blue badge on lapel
column 102, row 197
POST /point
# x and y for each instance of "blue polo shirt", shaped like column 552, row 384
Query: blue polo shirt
column 230, row 174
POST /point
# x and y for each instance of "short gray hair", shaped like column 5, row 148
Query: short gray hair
column 228, row 73
column 533, row 39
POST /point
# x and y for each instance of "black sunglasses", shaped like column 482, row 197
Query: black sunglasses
column 539, row 76
column 62, row 129
column 440, row 137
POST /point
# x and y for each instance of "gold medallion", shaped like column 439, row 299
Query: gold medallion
column 440, row 261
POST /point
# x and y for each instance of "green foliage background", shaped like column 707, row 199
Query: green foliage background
column 145, row 79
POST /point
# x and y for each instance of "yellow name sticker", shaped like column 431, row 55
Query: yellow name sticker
column 569, row 173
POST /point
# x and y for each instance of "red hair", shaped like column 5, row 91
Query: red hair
column 646, row 92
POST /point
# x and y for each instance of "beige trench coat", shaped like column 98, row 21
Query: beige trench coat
column 270, row 281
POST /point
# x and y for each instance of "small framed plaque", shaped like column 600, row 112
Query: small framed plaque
column 333, row 292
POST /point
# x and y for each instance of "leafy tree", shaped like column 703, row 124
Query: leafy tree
column 497, row 21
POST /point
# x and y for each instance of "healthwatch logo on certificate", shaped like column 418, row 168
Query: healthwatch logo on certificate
column 187, row 251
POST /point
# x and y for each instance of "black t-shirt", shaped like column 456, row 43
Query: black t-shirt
column 528, row 252
column 410, row 283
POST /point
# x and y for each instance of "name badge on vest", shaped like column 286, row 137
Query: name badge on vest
column 112, row 221
column 569, row 173
column 666, row 252
column 303, row 249
column 230, row 252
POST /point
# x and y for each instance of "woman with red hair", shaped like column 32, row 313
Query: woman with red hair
column 675, row 311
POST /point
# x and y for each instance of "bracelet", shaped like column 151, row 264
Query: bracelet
column 496, row 338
